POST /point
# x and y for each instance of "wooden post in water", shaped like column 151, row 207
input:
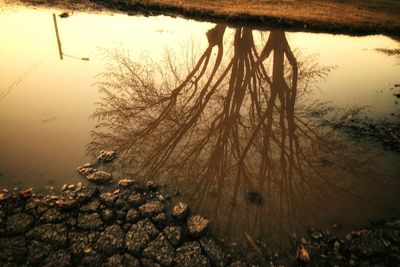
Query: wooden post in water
column 58, row 37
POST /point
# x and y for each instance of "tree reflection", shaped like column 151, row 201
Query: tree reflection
column 233, row 132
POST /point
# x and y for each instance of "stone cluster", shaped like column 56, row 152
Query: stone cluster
column 85, row 227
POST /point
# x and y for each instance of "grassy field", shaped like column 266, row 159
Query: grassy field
column 340, row 16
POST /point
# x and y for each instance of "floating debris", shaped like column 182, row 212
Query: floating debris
column 64, row 15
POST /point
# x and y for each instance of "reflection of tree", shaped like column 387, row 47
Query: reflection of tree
column 230, row 129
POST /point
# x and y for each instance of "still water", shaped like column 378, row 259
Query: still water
column 224, row 116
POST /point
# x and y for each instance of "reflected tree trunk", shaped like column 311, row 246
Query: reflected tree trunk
column 229, row 129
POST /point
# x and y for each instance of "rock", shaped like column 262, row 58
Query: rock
column 197, row 225
column 92, row 260
column 107, row 198
column 37, row 251
column 25, row 193
column 348, row 237
column 99, row 177
column 111, row 240
column 132, row 216
column 126, row 183
column 82, row 242
column 12, row 249
column 238, row 264
column 180, row 211
column 86, row 169
column 152, row 186
column 316, row 235
column 213, row 251
column 86, row 193
column 120, row 203
column 64, row 187
column 140, row 235
column 129, row 260
column 3, row 197
column 160, row 250
column 135, row 199
column 189, row 254
column 124, row 260
column 71, row 187
column 19, row 223
column 174, row 234
column 368, row 244
column 114, row 261
column 66, row 204
column 149, row 263
column 107, row 215
column 59, row 258
column 50, row 216
column 87, row 165
column 392, row 235
column 91, row 206
column 151, row 208
column 55, row 234
column 395, row 224
column 336, row 247
column 160, row 219
column 89, row 221
column 121, row 215
column 106, row 156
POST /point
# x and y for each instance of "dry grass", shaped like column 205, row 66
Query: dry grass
column 345, row 16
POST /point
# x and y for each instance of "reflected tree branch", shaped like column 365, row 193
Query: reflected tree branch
column 231, row 127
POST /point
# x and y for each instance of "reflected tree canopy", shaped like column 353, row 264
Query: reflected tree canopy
column 231, row 130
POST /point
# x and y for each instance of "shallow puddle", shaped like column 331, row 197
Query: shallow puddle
column 227, row 118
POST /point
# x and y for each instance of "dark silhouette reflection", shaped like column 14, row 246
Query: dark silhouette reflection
column 231, row 133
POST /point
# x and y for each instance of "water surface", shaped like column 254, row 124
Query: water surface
column 224, row 116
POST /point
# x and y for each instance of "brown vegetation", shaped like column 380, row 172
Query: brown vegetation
column 351, row 16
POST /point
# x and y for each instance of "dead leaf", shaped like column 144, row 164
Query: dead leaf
column 302, row 254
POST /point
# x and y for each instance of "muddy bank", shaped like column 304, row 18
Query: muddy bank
column 136, row 225
column 285, row 17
